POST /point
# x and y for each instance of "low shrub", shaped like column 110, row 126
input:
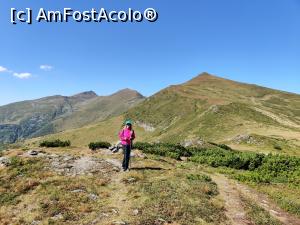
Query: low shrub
column 174, row 151
column 199, row 177
column 231, row 159
column 55, row 143
column 97, row 145
column 8, row 198
column 259, row 168
column 223, row 146
column 277, row 147
column 141, row 145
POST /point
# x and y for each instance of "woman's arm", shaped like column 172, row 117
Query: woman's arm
column 132, row 135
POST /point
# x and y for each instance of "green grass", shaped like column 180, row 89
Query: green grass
column 258, row 215
column 12, row 186
column 56, row 197
column 211, row 108
column 29, row 182
column 252, row 168
column 178, row 198
column 3, row 147
column 271, row 144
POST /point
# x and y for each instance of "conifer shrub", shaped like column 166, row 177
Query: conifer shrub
column 98, row 145
column 174, row 151
column 226, row 147
column 277, row 147
column 55, row 143
column 253, row 167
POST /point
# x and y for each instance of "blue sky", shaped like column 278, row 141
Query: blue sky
column 253, row 41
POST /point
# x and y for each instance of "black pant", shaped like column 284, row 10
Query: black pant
column 126, row 151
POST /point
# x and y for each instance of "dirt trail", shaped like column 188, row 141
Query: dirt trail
column 233, row 203
column 280, row 119
column 231, row 191
column 120, row 206
column 263, row 201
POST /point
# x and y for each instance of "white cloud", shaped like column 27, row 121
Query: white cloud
column 46, row 67
column 3, row 69
column 22, row 75
column 18, row 75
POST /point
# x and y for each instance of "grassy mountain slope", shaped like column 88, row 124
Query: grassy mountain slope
column 100, row 108
column 53, row 114
column 216, row 109
column 245, row 116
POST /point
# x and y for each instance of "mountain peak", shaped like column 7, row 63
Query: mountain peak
column 205, row 77
column 86, row 94
column 128, row 91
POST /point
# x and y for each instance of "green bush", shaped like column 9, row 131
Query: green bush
column 141, row 145
column 256, row 167
column 7, row 198
column 173, row 155
column 97, row 145
column 174, row 151
column 55, row 144
column 226, row 147
column 277, row 147
column 228, row 158
column 199, row 177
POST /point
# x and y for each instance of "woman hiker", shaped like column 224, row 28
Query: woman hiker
column 127, row 135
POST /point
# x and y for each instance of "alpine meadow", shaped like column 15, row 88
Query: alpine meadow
column 150, row 112
column 208, row 151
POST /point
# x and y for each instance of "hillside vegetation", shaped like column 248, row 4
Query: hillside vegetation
column 216, row 109
column 79, row 186
column 208, row 108
column 57, row 113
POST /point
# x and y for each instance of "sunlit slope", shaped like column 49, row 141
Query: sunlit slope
column 208, row 108
column 48, row 115
column 102, row 131
column 100, row 108
column 216, row 109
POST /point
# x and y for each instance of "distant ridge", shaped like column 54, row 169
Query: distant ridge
column 33, row 118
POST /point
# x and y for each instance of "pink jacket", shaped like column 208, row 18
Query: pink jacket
column 126, row 136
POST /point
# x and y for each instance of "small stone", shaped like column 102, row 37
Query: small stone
column 77, row 191
column 116, row 169
column 131, row 180
column 120, row 223
column 5, row 161
column 68, row 158
column 115, row 211
column 34, row 222
column 93, row 197
column 182, row 158
column 33, row 152
column 135, row 212
column 57, row 217
column 105, row 214
column 161, row 220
